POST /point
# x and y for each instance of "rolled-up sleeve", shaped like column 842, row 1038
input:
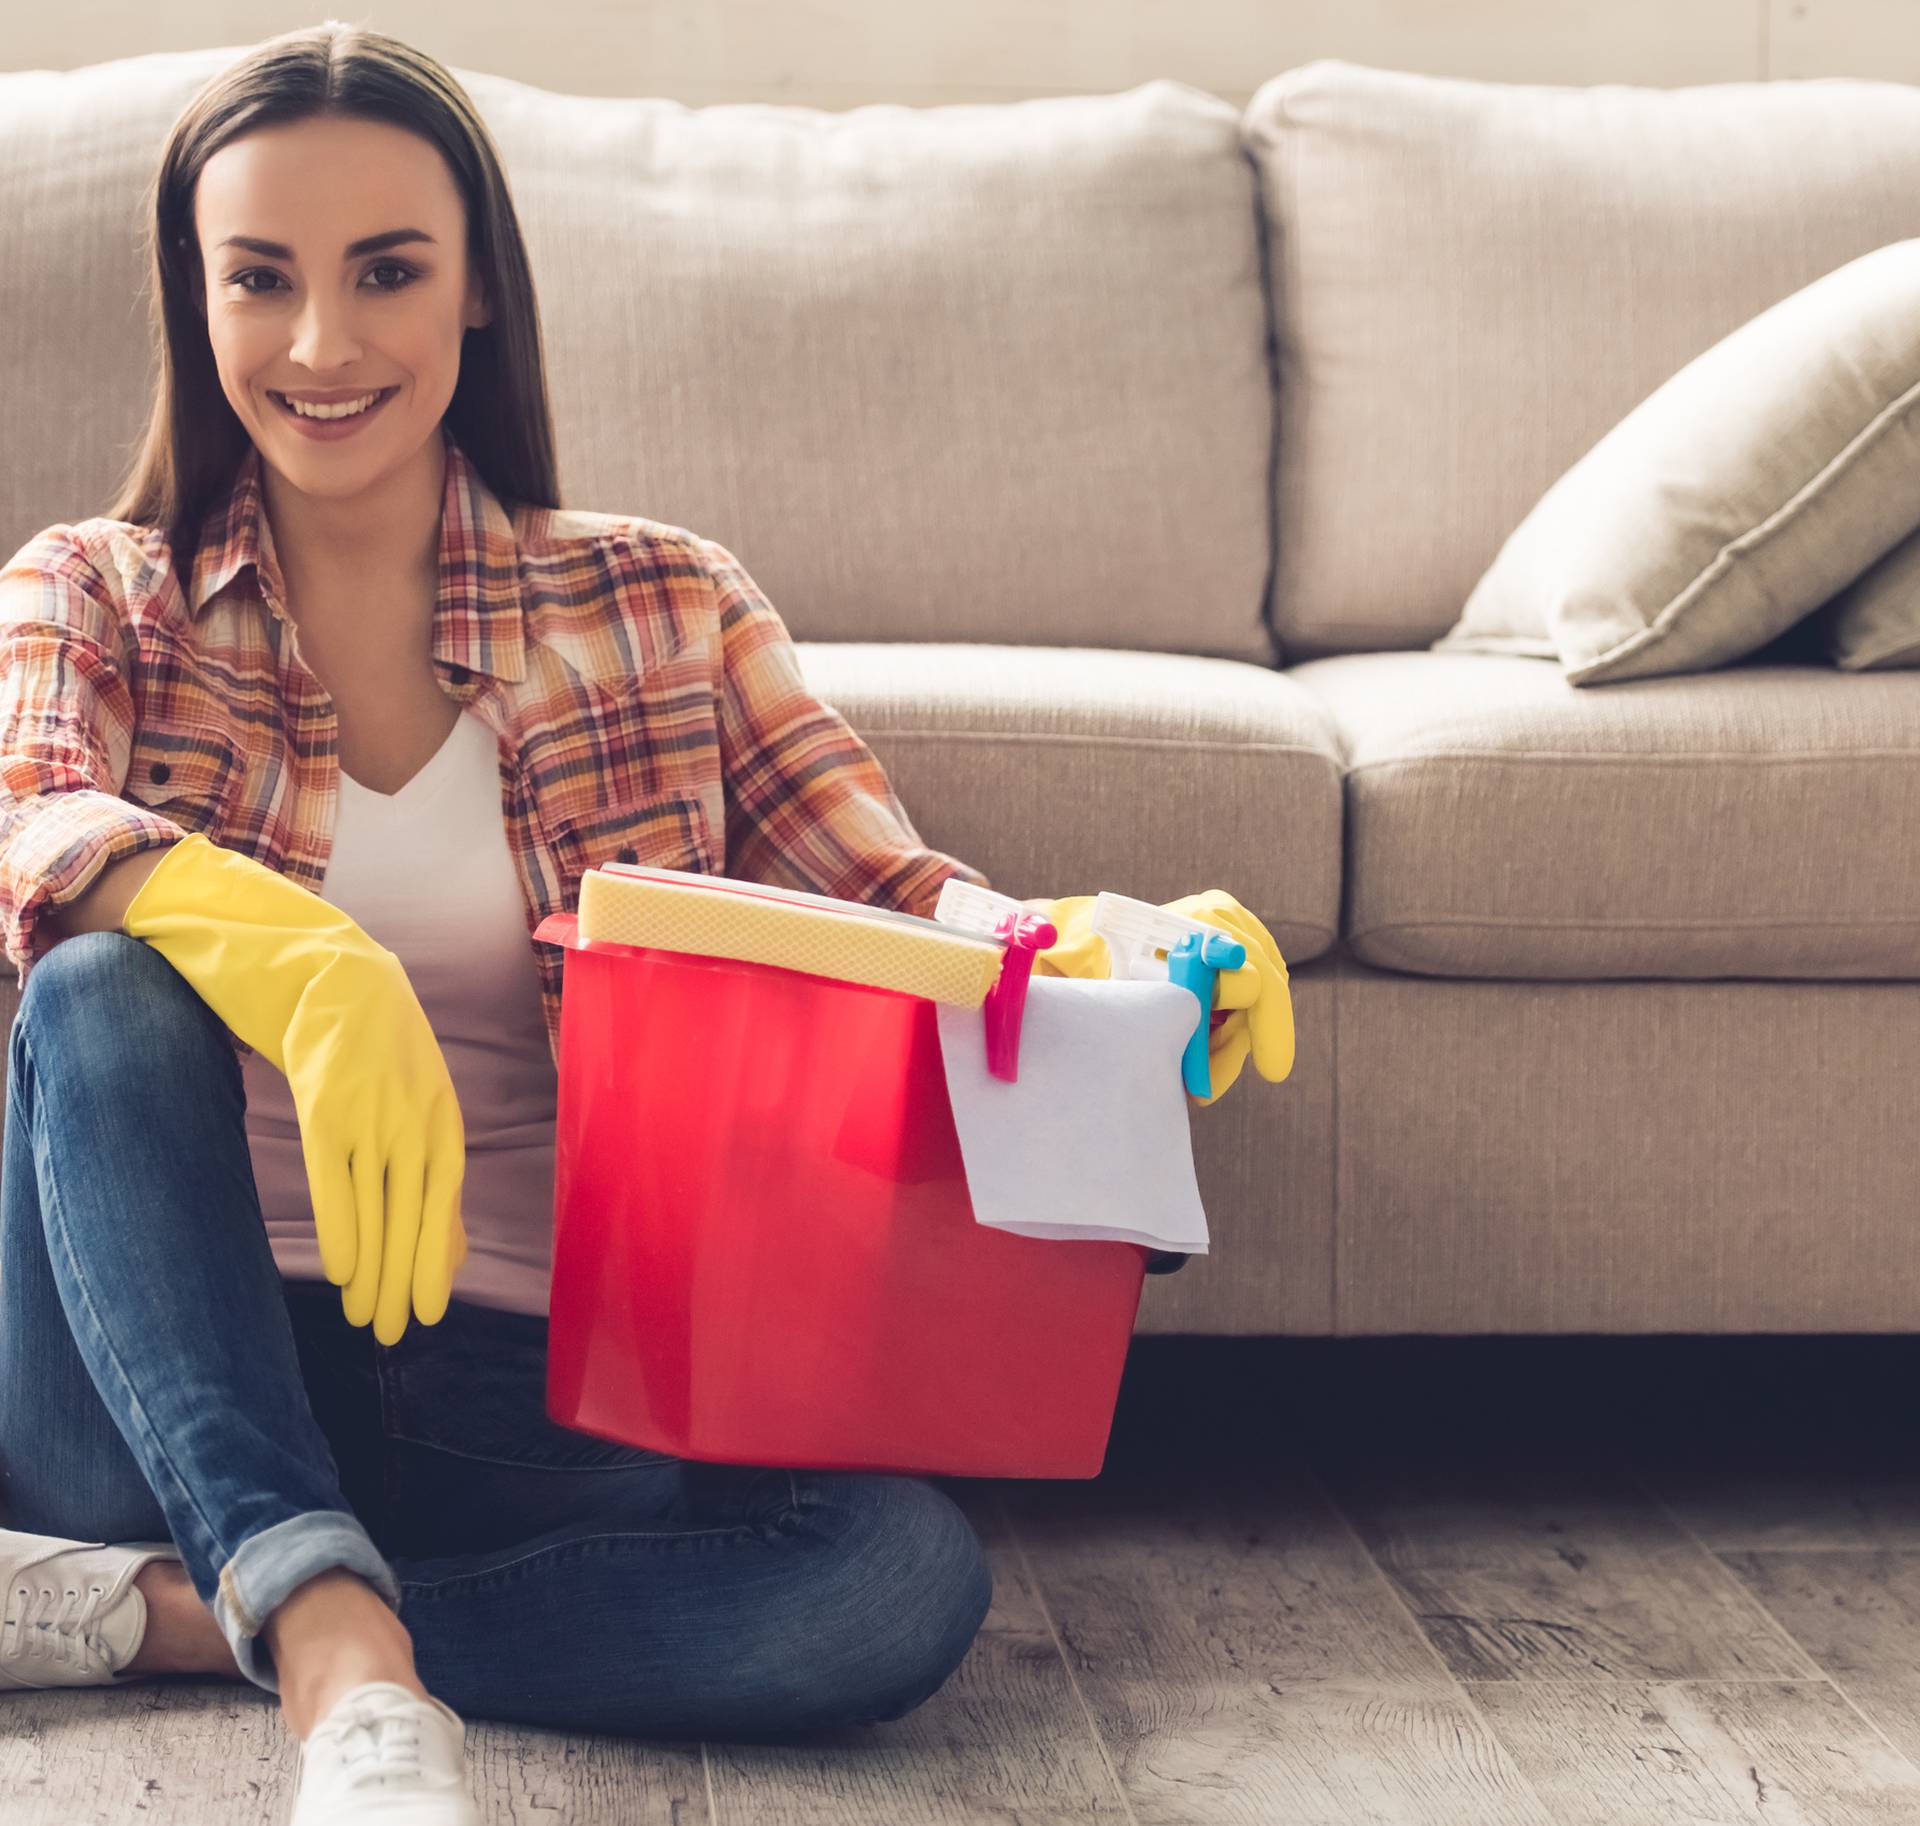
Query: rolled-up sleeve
column 66, row 738
column 808, row 804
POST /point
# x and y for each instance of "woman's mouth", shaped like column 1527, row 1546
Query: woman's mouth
column 332, row 429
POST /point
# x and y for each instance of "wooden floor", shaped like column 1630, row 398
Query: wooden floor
column 1486, row 1582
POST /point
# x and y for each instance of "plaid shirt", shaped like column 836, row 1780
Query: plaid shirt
column 647, row 701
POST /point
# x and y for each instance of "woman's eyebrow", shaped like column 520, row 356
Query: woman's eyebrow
column 372, row 244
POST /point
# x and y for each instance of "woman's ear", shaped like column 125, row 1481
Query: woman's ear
column 478, row 313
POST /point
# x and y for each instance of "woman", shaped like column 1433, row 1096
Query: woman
column 338, row 633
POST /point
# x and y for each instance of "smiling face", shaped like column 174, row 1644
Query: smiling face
column 309, row 311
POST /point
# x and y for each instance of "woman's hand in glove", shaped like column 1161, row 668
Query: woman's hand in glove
column 1252, row 1006
column 310, row 991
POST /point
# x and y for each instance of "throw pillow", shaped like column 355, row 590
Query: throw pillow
column 1875, row 621
column 1737, row 498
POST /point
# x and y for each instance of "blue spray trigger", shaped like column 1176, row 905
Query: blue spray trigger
column 1143, row 939
column 1193, row 962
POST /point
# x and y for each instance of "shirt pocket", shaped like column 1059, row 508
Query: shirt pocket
column 661, row 833
column 187, row 772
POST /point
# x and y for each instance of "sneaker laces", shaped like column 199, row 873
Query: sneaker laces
column 376, row 1746
column 44, row 1622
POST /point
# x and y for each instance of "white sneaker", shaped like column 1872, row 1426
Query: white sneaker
column 70, row 1613
column 382, row 1753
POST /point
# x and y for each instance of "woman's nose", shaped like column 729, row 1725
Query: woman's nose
column 324, row 336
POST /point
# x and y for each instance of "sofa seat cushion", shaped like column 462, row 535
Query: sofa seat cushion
column 1762, row 820
column 1065, row 770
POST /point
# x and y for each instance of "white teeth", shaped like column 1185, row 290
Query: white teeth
column 346, row 408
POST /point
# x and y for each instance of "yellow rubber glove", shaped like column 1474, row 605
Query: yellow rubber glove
column 1258, row 1017
column 380, row 1125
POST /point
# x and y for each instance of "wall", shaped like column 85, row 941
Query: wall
column 842, row 53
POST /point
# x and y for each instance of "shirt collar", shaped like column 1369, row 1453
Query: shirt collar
column 478, row 620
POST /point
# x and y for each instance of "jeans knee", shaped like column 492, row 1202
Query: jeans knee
column 98, row 986
column 87, row 965
column 944, row 1601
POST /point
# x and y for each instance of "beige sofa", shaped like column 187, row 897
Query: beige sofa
column 1114, row 460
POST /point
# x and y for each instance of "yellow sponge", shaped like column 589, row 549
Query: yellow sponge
column 718, row 916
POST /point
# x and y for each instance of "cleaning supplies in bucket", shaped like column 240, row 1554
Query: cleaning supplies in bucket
column 1091, row 1139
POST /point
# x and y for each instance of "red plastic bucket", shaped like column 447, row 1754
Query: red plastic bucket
column 764, row 1252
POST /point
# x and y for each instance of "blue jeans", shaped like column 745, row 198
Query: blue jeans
column 159, row 1379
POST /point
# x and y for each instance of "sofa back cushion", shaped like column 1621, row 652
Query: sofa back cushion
column 980, row 372
column 1475, row 281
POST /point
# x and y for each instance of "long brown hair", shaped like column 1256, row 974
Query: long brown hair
column 499, row 413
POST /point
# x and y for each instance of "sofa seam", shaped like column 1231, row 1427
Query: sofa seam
column 872, row 732
column 1264, row 236
column 1620, row 758
column 1291, row 414
column 1553, row 922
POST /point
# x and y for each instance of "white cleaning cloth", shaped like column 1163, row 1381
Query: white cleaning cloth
column 1092, row 1142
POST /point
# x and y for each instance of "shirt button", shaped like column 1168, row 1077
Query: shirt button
column 627, row 855
column 458, row 674
column 160, row 773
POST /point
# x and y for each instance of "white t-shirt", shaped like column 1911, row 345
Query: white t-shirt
column 426, row 872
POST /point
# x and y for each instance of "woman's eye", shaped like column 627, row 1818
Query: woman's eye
column 406, row 277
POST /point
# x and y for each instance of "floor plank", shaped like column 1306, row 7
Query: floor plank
column 1777, row 1753
column 1858, row 1616
column 168, row 1752
column 554, row 1778
column 1556, row 1571
column 1243, row 1659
